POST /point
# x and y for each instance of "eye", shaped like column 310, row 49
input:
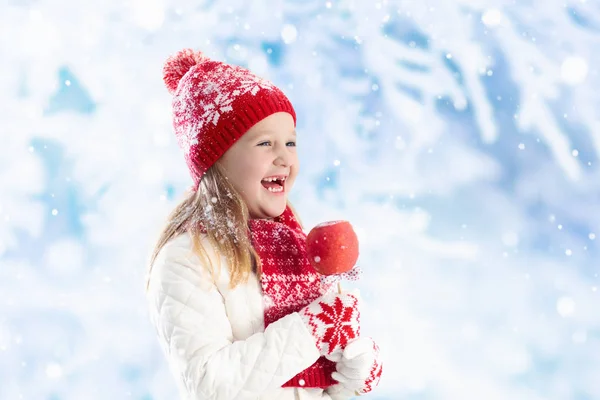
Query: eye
column 291, row 144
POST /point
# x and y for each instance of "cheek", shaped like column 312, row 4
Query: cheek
column 238, row 178
column 295, row 168
column 248, row 176
column 292, row 178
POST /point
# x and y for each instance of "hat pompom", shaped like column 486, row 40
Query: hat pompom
column 177, row 65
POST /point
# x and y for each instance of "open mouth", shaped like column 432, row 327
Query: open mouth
column 274, row 184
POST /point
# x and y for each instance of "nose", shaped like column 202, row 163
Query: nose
column 284, row 157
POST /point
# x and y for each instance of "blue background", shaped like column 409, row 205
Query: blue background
column 460, row 138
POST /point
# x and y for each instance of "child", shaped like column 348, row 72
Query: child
column 238, row 309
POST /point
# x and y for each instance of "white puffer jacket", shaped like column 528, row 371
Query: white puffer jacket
column 214, row 338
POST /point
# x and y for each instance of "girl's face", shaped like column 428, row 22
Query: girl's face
column 266, row 151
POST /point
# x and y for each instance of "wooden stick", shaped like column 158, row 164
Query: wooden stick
column 339, row 287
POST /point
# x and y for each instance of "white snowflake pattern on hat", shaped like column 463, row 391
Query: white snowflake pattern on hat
column 223, row 100
column 254, row 84
column 189, row 138
column 219, row 106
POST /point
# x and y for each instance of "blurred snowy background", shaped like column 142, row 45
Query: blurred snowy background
column 461, row 138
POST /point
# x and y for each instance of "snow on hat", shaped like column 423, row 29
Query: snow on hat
column 214, row 104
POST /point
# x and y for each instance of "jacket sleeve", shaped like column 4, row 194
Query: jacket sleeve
column 190, row 318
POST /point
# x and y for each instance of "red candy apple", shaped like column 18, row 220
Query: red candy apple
column 332, row 247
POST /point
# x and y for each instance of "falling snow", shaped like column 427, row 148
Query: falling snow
column 459, row 138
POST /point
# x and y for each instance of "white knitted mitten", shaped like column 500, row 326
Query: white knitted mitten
column 359, row 367
column 334, row 320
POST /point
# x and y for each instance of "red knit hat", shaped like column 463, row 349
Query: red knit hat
column 214, row 104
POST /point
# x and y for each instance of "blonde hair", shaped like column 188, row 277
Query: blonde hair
column 218, row 208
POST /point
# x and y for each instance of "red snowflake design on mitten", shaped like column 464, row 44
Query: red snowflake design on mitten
column 337, row 319
column 335, row 322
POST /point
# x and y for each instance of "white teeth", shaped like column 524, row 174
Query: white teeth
column 275, row 190
column 273, row 179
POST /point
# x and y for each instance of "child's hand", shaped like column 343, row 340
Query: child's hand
column 359, row 367
column 334, row 321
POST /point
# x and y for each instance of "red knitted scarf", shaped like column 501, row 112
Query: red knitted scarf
column 289, row 283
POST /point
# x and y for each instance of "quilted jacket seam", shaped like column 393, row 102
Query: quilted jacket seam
column 246, row 380
column 273, row 375
column 183, row 304
column 283, row 352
